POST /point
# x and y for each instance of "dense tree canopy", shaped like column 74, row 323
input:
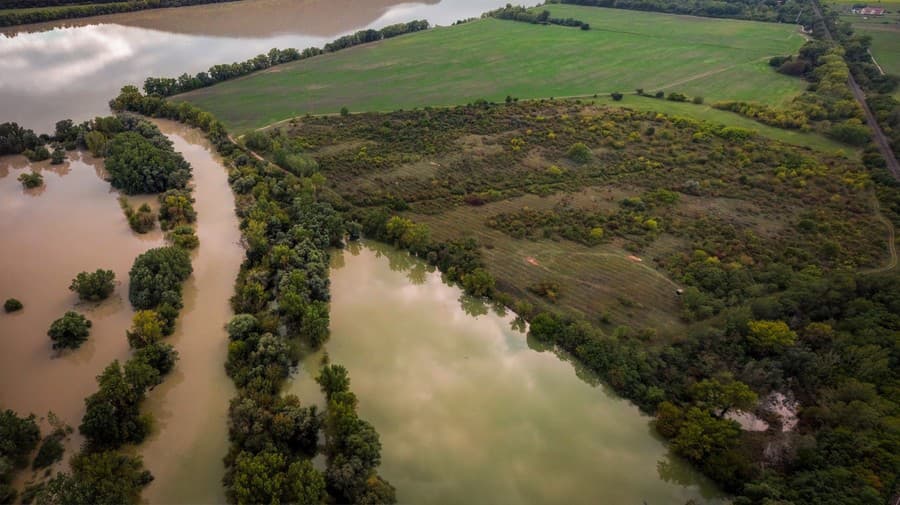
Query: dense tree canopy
column 156, row 277
column 137, row 165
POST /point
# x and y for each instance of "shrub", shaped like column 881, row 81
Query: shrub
column 183, row 236
column 660, row 94
column 69, row 331
column 12, row 305
column 616, row 96
column 32, row 180
column 258, row 141
column 677, row 97
column 140, row 221
column 849, row 133
column 94, row 286
column 579, row 153
column 698, row 100
column 58, row 156
column 176, row 207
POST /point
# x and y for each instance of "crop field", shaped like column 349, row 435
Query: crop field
column 491, row 59
column 647, row 204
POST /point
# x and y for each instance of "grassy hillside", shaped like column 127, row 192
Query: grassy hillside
column 714, row 58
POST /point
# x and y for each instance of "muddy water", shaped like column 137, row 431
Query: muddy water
column 70, row 69
column 50, row 234
column 190, row 408
column 469, row 411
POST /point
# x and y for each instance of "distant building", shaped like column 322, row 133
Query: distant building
column 869, row 11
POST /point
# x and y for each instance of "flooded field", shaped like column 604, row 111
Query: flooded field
column 72, row 223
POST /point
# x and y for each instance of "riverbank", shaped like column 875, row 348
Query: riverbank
column 24, row 16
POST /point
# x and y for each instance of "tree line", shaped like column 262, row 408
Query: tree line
column 168, row 86
column 526, row 15
column 50, row 10
column 788, row 11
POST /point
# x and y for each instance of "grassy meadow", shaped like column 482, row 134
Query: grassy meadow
column 489, row 58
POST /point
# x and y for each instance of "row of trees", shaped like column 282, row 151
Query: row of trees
column 168, row 86
column 69, row 9
column 879, row 88
column 788, row 11
column 526, row 15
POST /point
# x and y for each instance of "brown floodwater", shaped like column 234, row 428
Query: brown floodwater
column 74, row 223
column 190, row 408
column 469, row 410
column 49, row 234
column 71, row 68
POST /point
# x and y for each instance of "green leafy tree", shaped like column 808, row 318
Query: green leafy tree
column 136, row 165
column 94, row 286
column 702, row 435
column 722, row 396
column 146, row 329
column 98, row 478
column 156, row 277
column 69, row 331
column 96, row 143
column 333, row 379
column 770, row 336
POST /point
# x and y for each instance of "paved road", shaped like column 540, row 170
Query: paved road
column 884, row 147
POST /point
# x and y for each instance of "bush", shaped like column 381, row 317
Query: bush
column 698, row 100
column 616, row 96
column 12, row 305
column 32, row 180
column 850, row 133
column 58, row 156
column 140, row 221
column 69, row 331
column 183, row 236
column 579, row 153
column 94, row 286
column 258, row 141
column 176, row 207
column 660, row 94
column 677, row 97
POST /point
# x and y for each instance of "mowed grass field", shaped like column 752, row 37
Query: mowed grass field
column 489, row 58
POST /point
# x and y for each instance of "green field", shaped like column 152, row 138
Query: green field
column 715, row 58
